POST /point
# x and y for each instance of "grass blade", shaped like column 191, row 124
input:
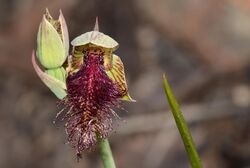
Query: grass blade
column 182, row 126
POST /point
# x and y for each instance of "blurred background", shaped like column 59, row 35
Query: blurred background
column 202, row 45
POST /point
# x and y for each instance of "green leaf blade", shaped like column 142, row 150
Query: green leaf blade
column 182, row 126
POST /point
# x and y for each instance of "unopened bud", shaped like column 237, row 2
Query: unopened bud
column 52, row 42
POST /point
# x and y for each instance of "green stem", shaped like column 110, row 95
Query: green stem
column 106, row 153
column 182, row 126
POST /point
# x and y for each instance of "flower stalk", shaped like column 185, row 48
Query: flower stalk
column 182, row 126
column 106, row 153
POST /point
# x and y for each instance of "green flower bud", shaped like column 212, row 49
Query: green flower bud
column 52, row 79
column 52, row 41
column 58, row 73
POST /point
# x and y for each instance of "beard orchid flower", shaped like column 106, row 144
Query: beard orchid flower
column 90, row 82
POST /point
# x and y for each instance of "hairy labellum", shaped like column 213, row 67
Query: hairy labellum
column 91, row 95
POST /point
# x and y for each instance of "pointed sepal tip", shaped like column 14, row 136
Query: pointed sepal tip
column 96, row 28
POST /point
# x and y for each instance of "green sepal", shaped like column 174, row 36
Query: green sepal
column 64, row 33
column 96, row 38
column 56, row 86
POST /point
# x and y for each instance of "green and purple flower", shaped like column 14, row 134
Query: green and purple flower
column 90, row 82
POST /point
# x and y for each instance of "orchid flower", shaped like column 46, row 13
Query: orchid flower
column 90, row 83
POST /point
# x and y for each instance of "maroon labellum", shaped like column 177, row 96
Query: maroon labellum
column 91, row 95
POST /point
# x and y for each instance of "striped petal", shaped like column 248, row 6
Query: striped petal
column 116, row 73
